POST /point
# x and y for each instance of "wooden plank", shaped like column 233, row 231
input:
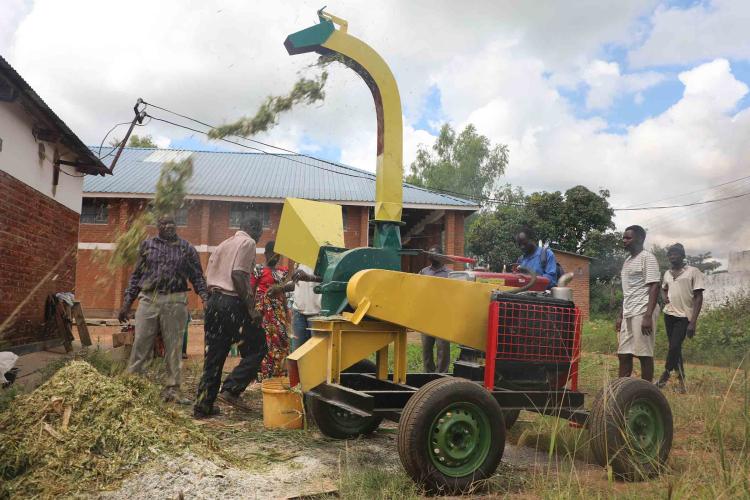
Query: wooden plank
column 63, row 327
column 83, row 330
column 44, row 345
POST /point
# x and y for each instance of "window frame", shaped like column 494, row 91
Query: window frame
column 264, row 208
column 101, row 206
column 186, row 209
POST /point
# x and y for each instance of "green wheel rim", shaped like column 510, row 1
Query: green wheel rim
column 460, row 439
column 645, row 427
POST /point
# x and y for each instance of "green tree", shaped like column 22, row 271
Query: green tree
column 490, row 234
column 607, row 255
column 567, row 221
column 145, row 141
column 466, row 163
column 661, row 257
column 703, row 261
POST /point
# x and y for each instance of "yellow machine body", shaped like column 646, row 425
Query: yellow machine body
column 389, row 166
column 337, row 344
column 306, row 226
column 452, row 310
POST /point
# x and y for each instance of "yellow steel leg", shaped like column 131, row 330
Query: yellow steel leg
column 334, row 356
column 381, row 361
column 399, row 357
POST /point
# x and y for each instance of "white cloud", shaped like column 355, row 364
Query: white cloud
column 698, row 142
column 707, row 30
column 11, row 13
column 605, row 83
column 497, row 64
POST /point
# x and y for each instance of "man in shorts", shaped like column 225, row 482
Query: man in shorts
column 637, row 319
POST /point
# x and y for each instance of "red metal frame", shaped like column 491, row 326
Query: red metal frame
column 532, row 333
column 490, row 352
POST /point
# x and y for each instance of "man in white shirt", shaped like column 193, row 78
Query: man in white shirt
column 640, row 289
column 683, row 289
column 306, row 304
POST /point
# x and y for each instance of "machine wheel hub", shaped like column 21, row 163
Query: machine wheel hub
column 459, row 439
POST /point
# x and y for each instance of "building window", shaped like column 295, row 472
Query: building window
column 94, row 211
column 238, row 211
column 181, row 216
column 345, row 216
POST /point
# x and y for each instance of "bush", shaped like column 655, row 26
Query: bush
column 723, row 335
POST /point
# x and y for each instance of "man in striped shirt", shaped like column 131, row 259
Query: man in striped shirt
column 637, row 318
column 160, row 283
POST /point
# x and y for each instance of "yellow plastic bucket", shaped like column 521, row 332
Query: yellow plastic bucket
column 282, row 407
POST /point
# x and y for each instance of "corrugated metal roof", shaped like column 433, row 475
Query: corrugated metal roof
column 256, row 176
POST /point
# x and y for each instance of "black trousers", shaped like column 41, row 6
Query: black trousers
column 676, row 331
column 227, row 322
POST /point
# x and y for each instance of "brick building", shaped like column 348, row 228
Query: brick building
column 42, row 163
column 579, row 266
column 226, row 185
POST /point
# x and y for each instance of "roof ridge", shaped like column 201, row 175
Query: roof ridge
column 313, row 163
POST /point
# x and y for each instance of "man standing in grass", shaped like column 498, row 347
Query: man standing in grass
column 637, row 318
column 683, row 287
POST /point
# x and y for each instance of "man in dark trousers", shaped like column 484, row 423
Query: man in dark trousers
column 159, row 281
column 438, row 269
column 683, row 289
column 231, row 318
column 637, row 319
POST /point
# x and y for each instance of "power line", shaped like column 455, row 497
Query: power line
column 465, row 196
column 691, row 192
column 684, row 205
column 369, row 177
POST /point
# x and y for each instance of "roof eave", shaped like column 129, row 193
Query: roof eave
column 87, row 162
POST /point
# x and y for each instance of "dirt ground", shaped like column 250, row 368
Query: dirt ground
column 271, row 464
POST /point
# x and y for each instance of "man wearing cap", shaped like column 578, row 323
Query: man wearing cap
column 683, row 289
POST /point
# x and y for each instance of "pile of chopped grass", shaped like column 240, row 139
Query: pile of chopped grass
column 114, row 425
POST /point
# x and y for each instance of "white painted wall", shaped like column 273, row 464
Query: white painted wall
column 739, row 262
column 724, row 287
column 20, row 158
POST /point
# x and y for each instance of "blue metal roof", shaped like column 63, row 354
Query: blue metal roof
column 256, row 176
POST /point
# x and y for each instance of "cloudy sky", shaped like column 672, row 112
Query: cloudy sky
column 647, row 99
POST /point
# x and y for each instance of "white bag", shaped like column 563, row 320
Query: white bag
column 7, row 362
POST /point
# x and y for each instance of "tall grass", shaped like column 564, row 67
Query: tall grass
column 722, row 337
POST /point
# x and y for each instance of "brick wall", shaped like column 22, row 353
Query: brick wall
column 100, row 290
column 38, row 239
column 580, row 284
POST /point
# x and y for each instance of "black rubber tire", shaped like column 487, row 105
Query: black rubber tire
column 340, row 424
column 414, row 428
column 510, row 417
column 610, row 443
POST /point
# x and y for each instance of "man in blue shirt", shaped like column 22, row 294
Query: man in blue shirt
column 540, row 260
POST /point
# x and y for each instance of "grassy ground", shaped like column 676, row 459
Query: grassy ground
column 710, row 455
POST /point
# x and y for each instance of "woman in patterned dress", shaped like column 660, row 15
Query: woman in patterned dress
column 268, row 282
